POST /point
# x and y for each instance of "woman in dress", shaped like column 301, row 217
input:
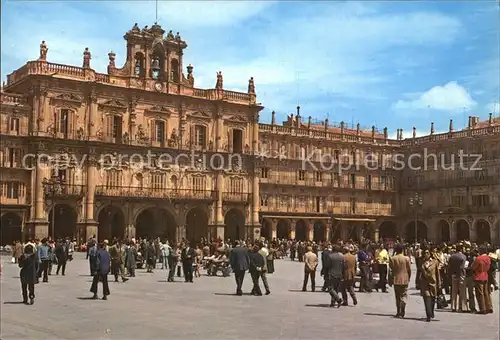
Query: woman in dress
column 429, row 283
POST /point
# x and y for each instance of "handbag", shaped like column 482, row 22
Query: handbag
column 441, row 301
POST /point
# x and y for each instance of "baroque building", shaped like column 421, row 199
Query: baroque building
column 140, row 151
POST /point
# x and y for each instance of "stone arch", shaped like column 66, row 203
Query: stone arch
column 174, row 70
column 165, row 207
column 196, row 224
column 463, row 230
column 10, row 228
column 388, row 230
column 234, row 224
column 319, row 232
column 111, row 223
column 266, row 229
column 301, row 231
column 368, row 231
column 283, row 229
column 62, row 221
column 420, row 228
column 336, row 234
column 443, row 229
column 483, row 231
column 154, row 222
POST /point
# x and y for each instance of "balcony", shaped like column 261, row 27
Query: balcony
column 20, row 200
column 237, row 197
column 54, row 188
column 450, row 210
column 156, row 193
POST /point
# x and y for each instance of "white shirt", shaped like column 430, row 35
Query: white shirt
column 265, row 251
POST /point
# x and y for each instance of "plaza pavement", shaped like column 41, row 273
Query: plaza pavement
column 146, row 307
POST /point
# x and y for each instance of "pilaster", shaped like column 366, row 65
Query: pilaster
column 181, row 233
column 274, row 229
column 310, row 230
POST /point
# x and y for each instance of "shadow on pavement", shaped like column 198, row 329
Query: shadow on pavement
column 228, row 294
column 321, row 305
column 13, row 303
column 86, row 298
column 392, row 316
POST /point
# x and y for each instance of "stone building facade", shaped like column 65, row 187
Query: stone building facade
column 140, row 151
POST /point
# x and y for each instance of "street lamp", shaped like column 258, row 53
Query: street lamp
column 416, row 203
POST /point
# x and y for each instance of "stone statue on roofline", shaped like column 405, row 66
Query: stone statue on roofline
column 43, row 51
column 86, row 58
column 219, row 83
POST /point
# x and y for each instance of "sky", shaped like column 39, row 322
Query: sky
column 394, row 64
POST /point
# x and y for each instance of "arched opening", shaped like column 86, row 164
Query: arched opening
column 483, row 232
column 139, row 69
column 62, row 222
column 336, row 233
column 174, row 70
column 10, row 228
column 234, row 225
column 368, row 232
column 282, row 230
column 156, row 222
column 387, row 231
column 111, row 223
column 266, row 229
column 319, row 234
column 444, row 230
column 419, row 228
column 463, row 230
column 158, row 63
column 196, row 225
column 301, row 231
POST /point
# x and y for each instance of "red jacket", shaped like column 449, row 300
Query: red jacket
column 480, row 267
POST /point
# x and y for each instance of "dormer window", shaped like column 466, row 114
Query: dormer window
column 174, row 70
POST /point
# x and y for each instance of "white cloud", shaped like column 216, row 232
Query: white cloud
column 450, row 97
column 493, row 108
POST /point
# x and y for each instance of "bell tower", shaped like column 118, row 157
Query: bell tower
column 152, row 56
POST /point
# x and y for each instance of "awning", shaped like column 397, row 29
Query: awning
column 355, row 219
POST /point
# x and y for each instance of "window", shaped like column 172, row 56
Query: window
column 458, row 201
column 353, row 181
column 264, row 173
column 301, row 175
column 12, row 189
column 199, row 183
column 200, row 136
column 369, row 182
column 61, row 176
column 480, row 200
column 12, row 158
column 64, row 120
column 14, row 125
column 263, row 201
column 114, row 127
column 383, row 182
column 237, row 140
column 336, row 155
column 336, row 179
column 158, row 181
column 113, row 179
column 174, row 71
column 236, row 185
column 352, row 203
column 318, row 204
column 319, row 176
column 159, row 133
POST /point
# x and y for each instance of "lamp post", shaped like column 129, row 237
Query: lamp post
column 416, row 203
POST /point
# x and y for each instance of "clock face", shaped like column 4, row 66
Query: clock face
column 158, row 87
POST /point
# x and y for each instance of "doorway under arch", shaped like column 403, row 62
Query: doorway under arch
column 421, row 230
column 319, row 233
column 62, row 222
column 283, row 230
column 10, row 228
column 387, row 231
column 444, row 230
column 111, row 223
column 483, row 232
column 266, row 230
column 463, row 233
column 301, row 231
column 196, row 225
column 234, row 222
column 368, row 232
column 156, row 222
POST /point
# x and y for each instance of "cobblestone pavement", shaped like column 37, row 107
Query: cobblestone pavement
column 146, row 307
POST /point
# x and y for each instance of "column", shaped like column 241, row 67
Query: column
column 473, row 231
column 494, row 232
column 93, row 120
column 181, row 233
column 255, row 178
column 376, row 233
column 40, row 222
column 344, row 232
column 90, row 223
column 453, row 231
column 328, row 232
column 310, row 230
column 274, row 229
column 219, row 217
column 292, row 229
column 219, row 130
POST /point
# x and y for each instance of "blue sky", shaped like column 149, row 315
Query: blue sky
column 394, row 64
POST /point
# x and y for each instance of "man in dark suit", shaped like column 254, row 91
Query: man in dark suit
column 62, row 253
column 103, row 261
column 238, row 258
column 336, row 266
column 349, row 275
column 324, row 267
column 187, row 258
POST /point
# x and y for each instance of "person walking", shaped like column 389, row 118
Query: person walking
column 62, row 254
column 28, row 263
column 456, row 268
column 187, row 259
column 399, row 277
column 349, row 276
column 336, row 266
column 430, row 283
column 44, row 259
column 103, row 261
column 239, row 260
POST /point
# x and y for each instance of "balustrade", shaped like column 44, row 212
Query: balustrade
column 160, row 193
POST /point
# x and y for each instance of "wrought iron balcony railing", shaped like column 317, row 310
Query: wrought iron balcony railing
column 241, row 197
column 57, row 189
column 159, row 193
